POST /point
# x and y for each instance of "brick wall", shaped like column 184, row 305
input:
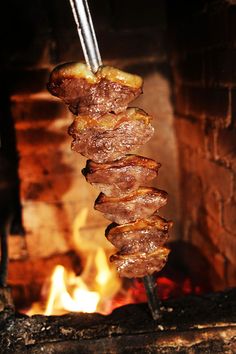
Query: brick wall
column 202, row 52
column 51, row 189
column 40, row 180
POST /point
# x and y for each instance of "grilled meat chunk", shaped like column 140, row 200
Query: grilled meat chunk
column 105, row 131
column 112, row 136
column 145, row 235
column 140, row 264
column 137, row 205
column 109, row 90
column 122, row 176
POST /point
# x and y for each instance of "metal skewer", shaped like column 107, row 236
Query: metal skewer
column 150, row 285
column 93, row 59
column 87, row 34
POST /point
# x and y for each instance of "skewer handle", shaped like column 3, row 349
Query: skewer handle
column 87, row 34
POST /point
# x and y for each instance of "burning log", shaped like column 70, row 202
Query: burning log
column 191, row 324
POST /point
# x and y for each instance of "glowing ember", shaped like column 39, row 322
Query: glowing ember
column 98, row 288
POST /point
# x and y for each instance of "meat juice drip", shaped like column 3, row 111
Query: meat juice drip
column 105, row 131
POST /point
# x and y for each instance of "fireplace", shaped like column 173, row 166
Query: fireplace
column 185, row 53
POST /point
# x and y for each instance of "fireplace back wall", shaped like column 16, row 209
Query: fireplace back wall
column 203, row 51
column 194, row 139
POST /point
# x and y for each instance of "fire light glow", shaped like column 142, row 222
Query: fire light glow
column 81, row 299
column 98, row 288
column 92, row 291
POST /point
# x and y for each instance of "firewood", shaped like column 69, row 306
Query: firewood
column 193, row 324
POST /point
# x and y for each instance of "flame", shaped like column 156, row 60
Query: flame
column 80, row 300
column 68, row 292
column 98, row 288
column 94, row 289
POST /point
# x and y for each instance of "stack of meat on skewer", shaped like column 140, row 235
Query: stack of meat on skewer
column 106, row 132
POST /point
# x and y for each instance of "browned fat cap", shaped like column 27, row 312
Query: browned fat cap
column 109, row 90
column 138, row 265
column 121, row 177
column 138, row 205
column 143, row 235
column 111, row 136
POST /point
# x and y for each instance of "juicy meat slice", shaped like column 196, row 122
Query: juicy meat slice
column 109, row 90
column 145, row 235
column 137, row 205
column 121, row 177
column 139, row 264
column 112, row 136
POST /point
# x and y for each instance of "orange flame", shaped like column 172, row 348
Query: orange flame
column 98, row 288
column 59, row 299
column 93, row 290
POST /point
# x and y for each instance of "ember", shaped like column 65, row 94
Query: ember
column 104, row 291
